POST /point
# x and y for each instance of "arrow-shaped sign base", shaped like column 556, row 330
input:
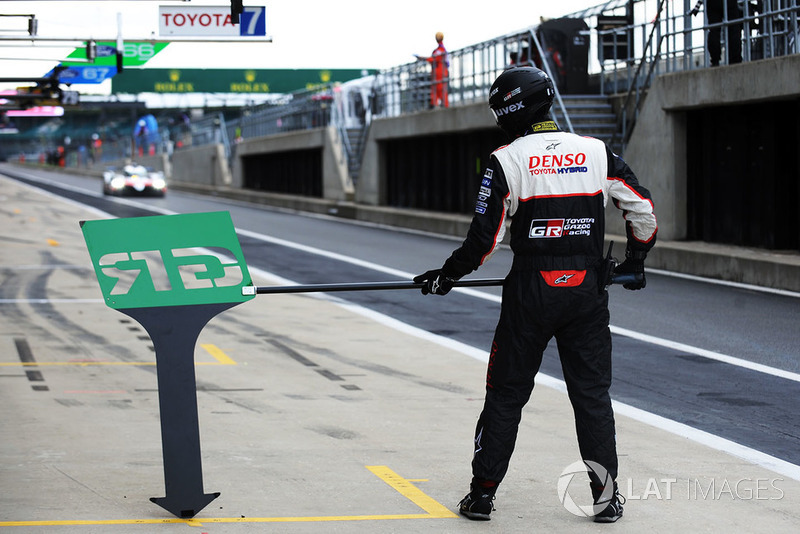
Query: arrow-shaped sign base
column 174, row 505
column 174, row 331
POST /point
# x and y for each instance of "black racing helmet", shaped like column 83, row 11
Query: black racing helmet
column 519, row 97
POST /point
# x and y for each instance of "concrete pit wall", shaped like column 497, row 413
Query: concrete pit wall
column 336, row 183
column 371, row 185
column 657, row 149
column 203, row 165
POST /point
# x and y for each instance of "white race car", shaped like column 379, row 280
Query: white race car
column 134, row 179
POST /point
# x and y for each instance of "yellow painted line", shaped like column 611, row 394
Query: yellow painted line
column 98, row 522
column 90, row 363
column 200, row 522
column 408, row 490
column 218, row 355
column 53, row 243
column 433, row 510
column 77, row 363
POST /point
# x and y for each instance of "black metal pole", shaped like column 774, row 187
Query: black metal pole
column 375, row 286
column 368, row 286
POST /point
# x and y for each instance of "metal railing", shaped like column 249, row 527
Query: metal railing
column 629, row 43
column 410, row 88
column 301, row 110
column 634, row 42
column 684, row 38
column 211, row 129
column 675, row 36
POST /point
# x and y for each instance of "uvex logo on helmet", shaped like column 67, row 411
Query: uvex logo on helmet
column 509, row 109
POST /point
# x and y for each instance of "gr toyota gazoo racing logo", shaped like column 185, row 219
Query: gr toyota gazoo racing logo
column 557, row 163
column 543, row 228
column 512, row 94
column 552, row 228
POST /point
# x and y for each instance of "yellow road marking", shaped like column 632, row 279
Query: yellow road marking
column 213, row 350
column 99, row 522
column 92, row 362
column 410, row 491
column 88, row 363
column 218, row 355
column 53, row 243
column 83, row 363
column 432, row 508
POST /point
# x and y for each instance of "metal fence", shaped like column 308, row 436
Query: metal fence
column 634, row 42
column 471, row 71
column 624, row 45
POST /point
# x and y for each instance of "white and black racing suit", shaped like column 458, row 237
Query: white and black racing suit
column 554, row 186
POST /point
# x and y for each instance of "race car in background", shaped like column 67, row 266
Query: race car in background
column 134, row 179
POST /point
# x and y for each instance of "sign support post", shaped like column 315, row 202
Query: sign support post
column 174, row 332
column 172, row 274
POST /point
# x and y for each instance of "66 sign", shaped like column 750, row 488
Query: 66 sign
column 139, row 52
column 134, row 54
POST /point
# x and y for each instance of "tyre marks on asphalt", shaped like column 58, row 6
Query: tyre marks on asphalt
column 295, row 355
column 31, row 368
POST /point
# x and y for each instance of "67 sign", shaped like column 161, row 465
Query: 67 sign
column 169, row 260
column 85, row 74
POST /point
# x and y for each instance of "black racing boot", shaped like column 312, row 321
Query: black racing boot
column 613, row 509
column 477, row 505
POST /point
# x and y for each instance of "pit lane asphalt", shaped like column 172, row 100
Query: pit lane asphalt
column 421, row 407
column 725, row 400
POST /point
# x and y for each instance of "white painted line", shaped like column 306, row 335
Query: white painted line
column 52, row 301
column 86, row 192
column 164, row 211
column 732, row 360
column 711, row 355
column 699, row 436
column 63, row 267
column 69, row 201
column 681, row 347
column 740, row 451
column 738, row 285
column 361, row 263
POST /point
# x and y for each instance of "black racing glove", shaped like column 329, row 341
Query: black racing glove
column 633, row 266
column 435, row 282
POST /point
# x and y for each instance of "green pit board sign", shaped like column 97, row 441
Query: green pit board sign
column 168, row 260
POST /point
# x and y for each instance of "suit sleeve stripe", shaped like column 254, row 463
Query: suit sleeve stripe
column 498, row 234
column 629, row 188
